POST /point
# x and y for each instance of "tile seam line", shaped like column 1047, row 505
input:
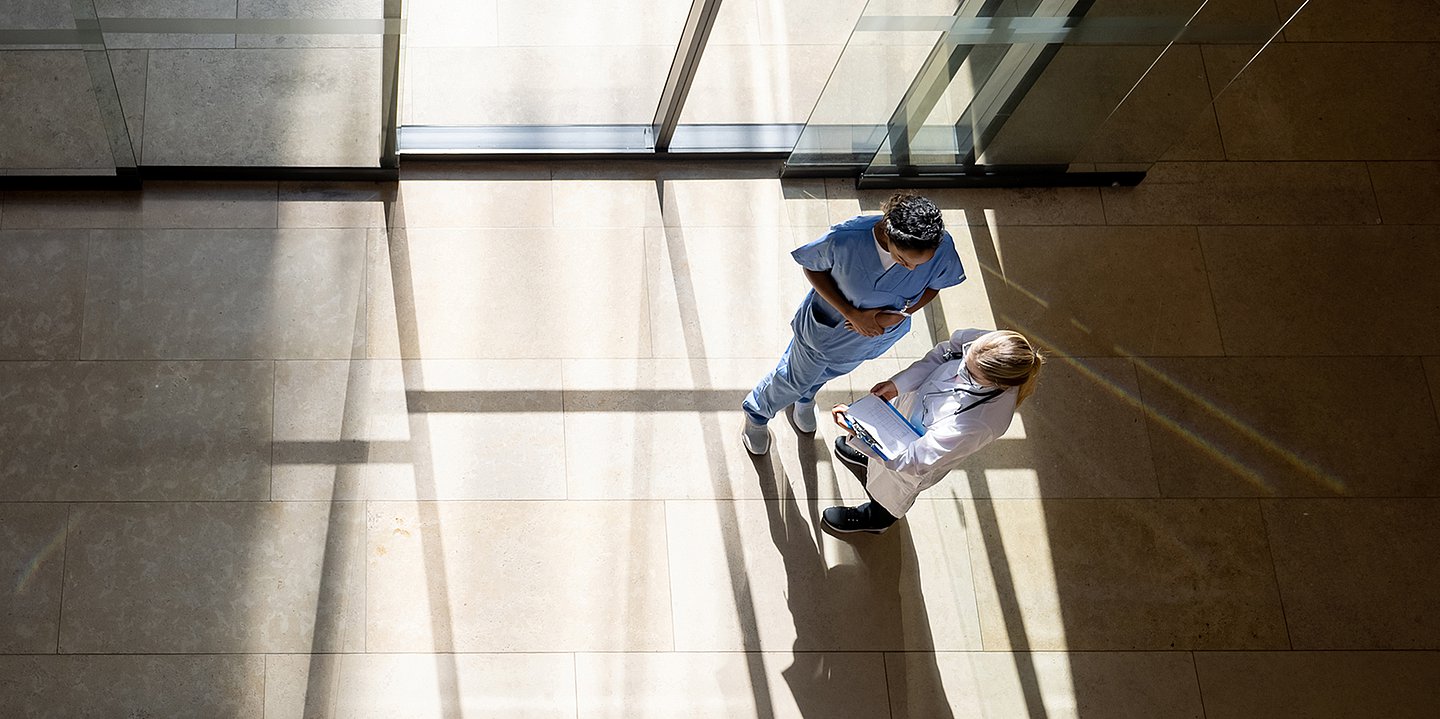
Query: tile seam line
column 1199, row 685
column 1145, row 413
column 64, row 566
column 84, row 295
column 1210, row 285
column 1430, row 386
column 1274, row 570
column 1375, row 196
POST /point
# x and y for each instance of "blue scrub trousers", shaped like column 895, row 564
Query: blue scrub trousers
column 801, row 372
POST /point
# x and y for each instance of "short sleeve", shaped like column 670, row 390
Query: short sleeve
column 818, row 255
column 948, row 271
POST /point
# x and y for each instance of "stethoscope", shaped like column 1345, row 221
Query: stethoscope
column 982, row 396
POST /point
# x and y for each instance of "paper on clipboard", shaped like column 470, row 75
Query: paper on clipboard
column 889, row 432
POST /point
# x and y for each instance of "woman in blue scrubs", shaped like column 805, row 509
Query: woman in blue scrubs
column 869, row 275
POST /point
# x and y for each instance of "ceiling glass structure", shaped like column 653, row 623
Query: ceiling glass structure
column 883, row 89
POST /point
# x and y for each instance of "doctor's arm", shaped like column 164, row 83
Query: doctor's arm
column 941, row 446
column 864, row 321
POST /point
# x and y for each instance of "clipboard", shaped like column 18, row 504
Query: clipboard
column 878, row 424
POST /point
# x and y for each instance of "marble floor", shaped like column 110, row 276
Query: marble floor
column 469, row 445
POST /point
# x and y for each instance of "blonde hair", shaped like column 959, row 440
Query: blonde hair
column 1009, row 360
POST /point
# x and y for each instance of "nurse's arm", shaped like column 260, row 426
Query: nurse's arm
column 864, row 321
column 930, row 293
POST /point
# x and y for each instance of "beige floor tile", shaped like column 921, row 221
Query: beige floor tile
column 32, row 551
column 42, row 291
column 451, row 23
column 590, row 303
column 578, row 576
column 658, row 429
column 382, row 686
column 595, row 84
column 1323, row 685
column 48, row 110
column 432, row 429
column 1326, row 291
column 1360, row 20
column 126, row 431
column 1021, row 206
column 760, row 83
column 692, row 203
column 760, row 575
column 474, row 203
column 264, row 107
column 1432, row 372
column 239, row 294
column 584, row 204
column 793, row 22
column 163, row 205
column 621, row 22
column 1081, row 435
column 1105, row 291
column 717, row 292
column 382, row 321
column 1094, row 87
column 871, row 373
column 731, row 685
column 1245, row 193
column 1408, row 192
column 1123, row 574
column 1147, row 119
column 1267, row 115
column 458, row 170
column 335, row 204
column 134, row 686
column 129, row 67
column 806, row 203
column 214, row 578
column 1357, row 574
column 1201, row 140
column 1279, row 426
column 1139, row 685
column 670, row 429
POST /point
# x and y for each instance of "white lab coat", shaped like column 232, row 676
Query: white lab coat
column 928, row 389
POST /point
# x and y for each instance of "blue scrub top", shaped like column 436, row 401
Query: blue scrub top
column 849, row 254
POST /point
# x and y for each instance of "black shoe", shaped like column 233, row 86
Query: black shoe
column 849, row 455
column 848, row 520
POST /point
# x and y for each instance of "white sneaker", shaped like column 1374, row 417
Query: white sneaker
column 756, row 438
column 803, row 415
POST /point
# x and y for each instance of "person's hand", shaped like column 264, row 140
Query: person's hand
column 885, row 390
column 866, row 322
column 890, row 319
column 837, row 413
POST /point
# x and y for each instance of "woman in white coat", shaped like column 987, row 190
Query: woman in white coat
column 964, row 394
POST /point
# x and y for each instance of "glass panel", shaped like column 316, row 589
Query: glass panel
column 279, row 83
column 538, row 62
column 765, row 64
column 1125, row 84
column 1077, row 84
column 59, row 108
column 877, row 67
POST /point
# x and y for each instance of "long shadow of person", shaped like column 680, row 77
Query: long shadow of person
column 863, row 646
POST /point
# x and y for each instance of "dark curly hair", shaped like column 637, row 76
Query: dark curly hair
column 912, row 222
